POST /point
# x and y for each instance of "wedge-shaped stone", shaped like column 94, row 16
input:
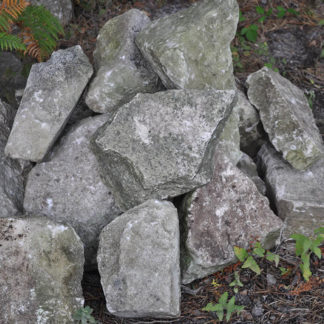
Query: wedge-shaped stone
column 286, row 117
column 41, row 268
column 69, row 189
column 297, row 195
column 121, row 70
column 191, row 48
column 138, row 261
column 52, row 91
column 161, row 145
column 226, row 212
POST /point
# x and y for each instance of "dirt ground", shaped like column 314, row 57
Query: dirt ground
column 293, row 45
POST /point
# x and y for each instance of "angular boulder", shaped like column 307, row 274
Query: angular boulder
column 161, row 145
column 138, row 260
column 52, row 91
column 69, row 189
column 191, row 48
column 286, row 117
column 61, row 9
column 11, row 171
column 41, row 268
column 297, row 195
column 121, row 70
column 226, row 212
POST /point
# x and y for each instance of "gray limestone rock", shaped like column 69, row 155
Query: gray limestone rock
column 69, row 189
column 251, row 137
column 226, row 212
column 52, row 91
column 286, row 117
column 191, row 48
column 161, row 145
column 138, row 260
column 41, row 268
column 11, row 171
column 121, row 69
column 61, row 9
column 297, row 195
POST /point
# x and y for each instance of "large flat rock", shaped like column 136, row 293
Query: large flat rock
column 286, row 117
column 226, row 212
column 121, row 70
column 41, row 268
column 297, row 195
column 138, row 261
column 190, row 49
column 52, row 91
column 68, row 188
column 161, row 145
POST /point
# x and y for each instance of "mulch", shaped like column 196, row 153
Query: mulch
column 268, row 297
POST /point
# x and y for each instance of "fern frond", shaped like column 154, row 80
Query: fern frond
column 13, row 8
column 11, row 42
column 5, row 23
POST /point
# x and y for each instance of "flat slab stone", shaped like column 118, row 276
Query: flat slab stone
column 161, row 145
column 41, row 268
column 138, row 261
column 121, row 70
column 69, row 189
column 190, row 49
column 286, row 117
column 226, row 212
column 52, row 91
column 297, row 195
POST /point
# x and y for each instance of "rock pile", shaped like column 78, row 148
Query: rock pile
column 163, row 184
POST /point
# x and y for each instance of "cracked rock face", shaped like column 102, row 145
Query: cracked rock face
column 227, row 211
column 161, row 145
column 52, row 91
column 297, row 195
column 41, row 268
column 138, row 261
column 191, row 48
column 121, row 70
column 69, row 189
column 286, row 117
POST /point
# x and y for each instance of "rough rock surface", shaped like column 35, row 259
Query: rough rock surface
column 11, row 172
column 298, row 195
column 121, row 69
column 52, row 91
column 138, row 261
column 161, row 145
column 191, row 48
column 286, row 117
column 69, row 189
column 251, row 135
column 226, row 212
column 41, row 267
column 61, row 9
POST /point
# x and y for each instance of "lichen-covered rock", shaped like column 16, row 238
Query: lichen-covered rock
column 52, row 91
column 251, row 136
column 286, row 117
column 191, row 48
column 121, row 69
column 161, row 145
column 297, row 195
column 138, row 260
column 69, row 189
column 61, row 9
column 226, row 212
column 41, row 268
column 11, row 171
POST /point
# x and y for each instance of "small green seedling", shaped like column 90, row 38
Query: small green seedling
column 223, row 305
column 283, row 11
column 250, row 32
column 83, row 316
column 236, row 282
column 305, row 246
column 264, row 14
column 284, row 271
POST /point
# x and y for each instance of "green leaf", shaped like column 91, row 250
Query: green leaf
column 251, row 264
column 299, row 238
column 223, row 299
column 259, row 10
column 259, row 250
column 305, row 266
column 210, row 307
column 273, row 258
column 319, row 230
column 252, row 35
column 281, row 11
column 240, row 253
column 321, row 22
column 283, row 270
column 262, row 19
column 293, row 11
column 230, row 308
column 241, row 17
